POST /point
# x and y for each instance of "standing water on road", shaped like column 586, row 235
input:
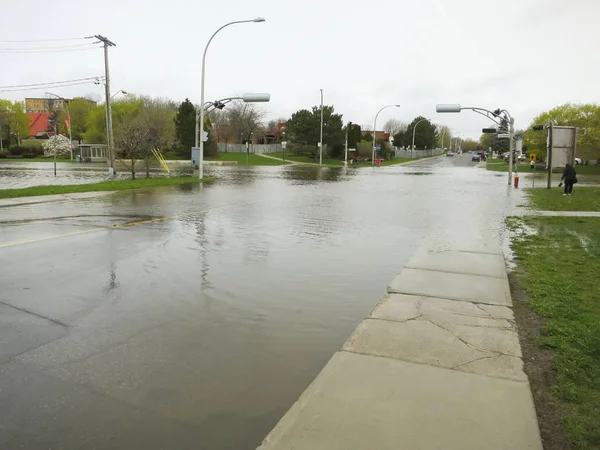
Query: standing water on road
column 194, row 316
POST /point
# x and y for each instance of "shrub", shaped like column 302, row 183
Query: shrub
column 28, row 155
column 3, row 154
column 16, row 150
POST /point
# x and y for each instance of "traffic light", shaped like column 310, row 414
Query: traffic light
column 538, row 127
column 489, row 130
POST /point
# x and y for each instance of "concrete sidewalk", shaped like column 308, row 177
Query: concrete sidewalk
column 5, row 202
column 436, row 365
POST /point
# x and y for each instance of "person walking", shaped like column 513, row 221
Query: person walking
column 570, row 178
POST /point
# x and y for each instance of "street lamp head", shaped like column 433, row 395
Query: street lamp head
column 125, row 92
column 397, row 106
column 256, row 98
column 448, row 108
column 259, row 19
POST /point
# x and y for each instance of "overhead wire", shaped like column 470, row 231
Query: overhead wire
column 47, row 87
column 17, row 49
column 51, row 82
column 46, row 40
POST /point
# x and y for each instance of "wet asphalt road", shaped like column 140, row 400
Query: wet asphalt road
column 193, row 317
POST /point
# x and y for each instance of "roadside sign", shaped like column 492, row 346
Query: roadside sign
column 532, row 157
column 283, row 144
column 378, row 146
column 503, row 136
column 70, row 146
column 204, row 136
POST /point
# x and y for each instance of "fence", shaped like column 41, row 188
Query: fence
column 418, row 153
column 253, row 148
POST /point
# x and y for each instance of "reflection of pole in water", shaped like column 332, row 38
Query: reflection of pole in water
column 201, row 240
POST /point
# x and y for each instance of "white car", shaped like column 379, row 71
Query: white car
column 578, row 161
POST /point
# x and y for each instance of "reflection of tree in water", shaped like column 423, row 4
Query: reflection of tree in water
column 200, row 225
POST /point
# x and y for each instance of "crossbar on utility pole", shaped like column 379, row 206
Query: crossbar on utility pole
column 109, row 131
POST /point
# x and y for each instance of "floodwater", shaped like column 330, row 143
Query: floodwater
column 192, row 317
column 21, row 174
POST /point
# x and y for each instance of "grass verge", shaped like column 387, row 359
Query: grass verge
column 497, row 165
column 307, row 159
column 112, row 185
column 558, row 262
column 582, row 199
column 61, row 159
column 244, row 159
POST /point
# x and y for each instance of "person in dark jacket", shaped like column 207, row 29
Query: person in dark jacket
column 570, row 178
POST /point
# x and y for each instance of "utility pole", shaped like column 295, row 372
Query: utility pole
column 109, row 130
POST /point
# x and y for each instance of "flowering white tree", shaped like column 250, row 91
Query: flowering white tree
column 56, row 145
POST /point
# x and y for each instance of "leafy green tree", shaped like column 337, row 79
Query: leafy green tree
column 486, row 141
column 80, row 110
column 210, row 146
column 586, row 117
column 354, row 134
column 425, row 136
column 185, row 128
column 445, row 133
column 303, row 128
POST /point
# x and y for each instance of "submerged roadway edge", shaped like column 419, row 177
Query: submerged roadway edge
column 436, row 364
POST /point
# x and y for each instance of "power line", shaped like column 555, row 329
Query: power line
column 50, row 51
column 51, row 82
column 48, row 40
column 88, row 44
column 47, row 87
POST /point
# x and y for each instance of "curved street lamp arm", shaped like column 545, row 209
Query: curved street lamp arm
column 375, row 129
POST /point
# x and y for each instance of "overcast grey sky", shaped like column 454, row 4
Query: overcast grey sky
column 525, row 56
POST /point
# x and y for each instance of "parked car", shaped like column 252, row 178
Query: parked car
column 450, row 154
column 476, row 157
column 522, row 157
column 578, row 161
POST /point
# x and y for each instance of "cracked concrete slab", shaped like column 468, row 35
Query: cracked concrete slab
column 366, row 402
column 453, row 286
column 484, row 264
column 423, row 341
column 466, row 336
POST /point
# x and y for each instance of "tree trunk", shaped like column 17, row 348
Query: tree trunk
column 133, row 168
column 147, row 168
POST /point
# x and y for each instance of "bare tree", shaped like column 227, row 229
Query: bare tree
column 366, row 127
column 245, row 118
column 271, row 125
column 394, row 126
column 131, row 137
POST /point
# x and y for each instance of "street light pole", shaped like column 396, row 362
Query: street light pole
column 492, row 115
column 375, row 130
column 201, row 162
column 321, row 139
column 413, row 138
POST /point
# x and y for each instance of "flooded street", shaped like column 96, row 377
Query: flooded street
column 192, row 317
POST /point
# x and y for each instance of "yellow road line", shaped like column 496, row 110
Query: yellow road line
column 45, row 238
column 125, row 225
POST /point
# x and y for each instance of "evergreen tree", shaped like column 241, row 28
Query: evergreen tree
column 185, row 128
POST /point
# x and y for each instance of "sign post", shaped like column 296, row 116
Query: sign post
column 283, row 145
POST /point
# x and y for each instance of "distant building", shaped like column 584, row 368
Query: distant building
column 47, row 105
column 378, row 135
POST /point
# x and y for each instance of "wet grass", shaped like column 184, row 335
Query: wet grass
column 112, row 185
column 497, row 165
column 558, row 262
column 582, row 199
column 244, row 159
column 307, row 159
column 61, row 159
